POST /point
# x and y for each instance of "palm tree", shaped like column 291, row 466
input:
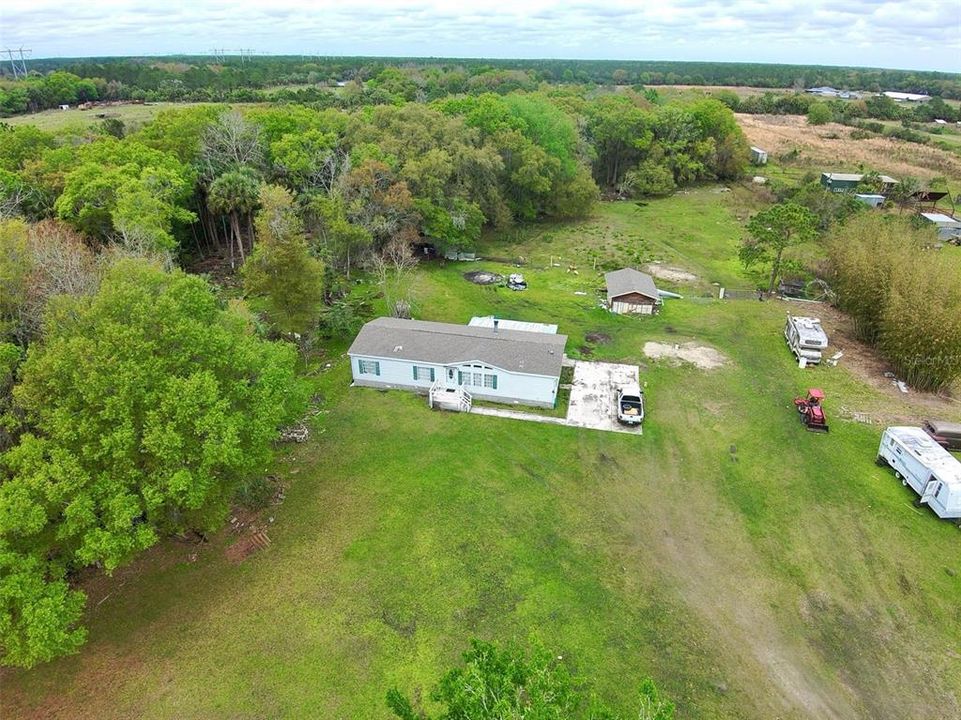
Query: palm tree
column 235, row 194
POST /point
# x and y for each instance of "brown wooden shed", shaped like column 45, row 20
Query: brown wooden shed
column 630, row 291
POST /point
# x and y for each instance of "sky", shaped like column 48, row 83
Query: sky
column 910, row 34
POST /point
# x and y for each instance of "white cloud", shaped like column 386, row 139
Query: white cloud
column 922, row 34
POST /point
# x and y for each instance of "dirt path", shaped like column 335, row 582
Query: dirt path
column 706, row 558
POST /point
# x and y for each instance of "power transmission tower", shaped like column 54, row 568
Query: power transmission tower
column 18, row 62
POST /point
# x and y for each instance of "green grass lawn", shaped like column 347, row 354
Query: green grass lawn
column 753, row 569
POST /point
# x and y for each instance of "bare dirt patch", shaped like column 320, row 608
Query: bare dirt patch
column 483, row 277
column 866, row 364
column 597, row 338
column 831, row 146
column 701, row 356
column 672, row 274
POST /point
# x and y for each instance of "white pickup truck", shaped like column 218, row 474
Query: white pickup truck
column 630, row 405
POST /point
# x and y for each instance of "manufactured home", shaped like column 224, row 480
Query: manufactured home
column 459, row 362
column 631, row 292
column 849, row 182
column 931, row 471
column 758, row 156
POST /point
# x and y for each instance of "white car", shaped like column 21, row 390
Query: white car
column 630, row 405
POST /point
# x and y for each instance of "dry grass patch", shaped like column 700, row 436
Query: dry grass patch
column 831, row 146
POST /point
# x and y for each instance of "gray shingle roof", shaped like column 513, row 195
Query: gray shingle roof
column 621, row 282
column 448, row 344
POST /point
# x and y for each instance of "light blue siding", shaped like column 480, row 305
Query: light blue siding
column 537, row 390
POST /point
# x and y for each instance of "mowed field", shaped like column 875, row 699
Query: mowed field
column 755, row 570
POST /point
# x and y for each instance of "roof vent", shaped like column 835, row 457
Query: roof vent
column 398, row 348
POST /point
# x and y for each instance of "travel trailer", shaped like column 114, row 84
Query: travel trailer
column 806, row 338
column 931, row 471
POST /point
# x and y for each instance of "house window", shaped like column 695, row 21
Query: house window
column 368, row 367
column 490, row 381
column 422, row 372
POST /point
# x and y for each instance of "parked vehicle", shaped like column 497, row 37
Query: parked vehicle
column 811, row 410
column 931, row 471
column 945, row 434
column 630, row 405
column 806, row 338
column 516, row 281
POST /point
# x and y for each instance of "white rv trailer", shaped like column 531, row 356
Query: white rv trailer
column 931, row 471
column 806, row 338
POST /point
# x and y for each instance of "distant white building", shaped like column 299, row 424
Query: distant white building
column 906, row 97
column 758, row 156
column 870, row 199
column 825, row 91
column 948, row 227
column 64, row 107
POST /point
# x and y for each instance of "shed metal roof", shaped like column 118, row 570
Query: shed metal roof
column 628, row 280
column 487, row 321
column 857, row 177
column 532, row 353
column 941, row 219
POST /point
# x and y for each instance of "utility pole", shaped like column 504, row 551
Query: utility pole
column 18, row 62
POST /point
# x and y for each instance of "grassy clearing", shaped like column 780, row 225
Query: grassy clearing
column 133, row 116
column 56, row 120
column 753, row 569
column 830, row 148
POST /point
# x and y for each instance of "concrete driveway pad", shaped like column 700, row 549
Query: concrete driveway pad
column 594, row 394
column 593, row 399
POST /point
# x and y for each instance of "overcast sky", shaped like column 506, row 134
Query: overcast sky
column 916, row 34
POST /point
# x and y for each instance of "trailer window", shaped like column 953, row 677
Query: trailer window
column 937, row 493
column 368, row 367
column 423, row 373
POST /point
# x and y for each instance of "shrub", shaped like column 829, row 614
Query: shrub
column 820, row 114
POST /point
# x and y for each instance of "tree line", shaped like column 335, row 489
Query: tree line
column 236, row 79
